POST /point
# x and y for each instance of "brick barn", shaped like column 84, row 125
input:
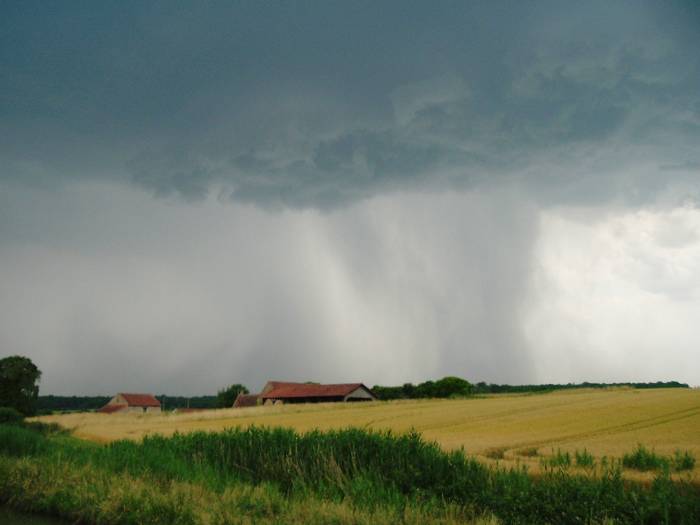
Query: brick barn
column 278, row 392
column 131, row 403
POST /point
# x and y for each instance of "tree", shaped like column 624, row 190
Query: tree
column 451, row 386
column 19, row 387
column 226, row 397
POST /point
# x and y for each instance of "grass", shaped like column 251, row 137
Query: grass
column 93, row 495
column 584, row 459
column 495, row 453
column 559, row 459
column 529, row 452
column 276, row 475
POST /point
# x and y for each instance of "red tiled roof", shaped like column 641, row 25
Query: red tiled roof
column 271, row 385
column 246, row 400
column 282, row 390
column 140, row 400
column 108, row 409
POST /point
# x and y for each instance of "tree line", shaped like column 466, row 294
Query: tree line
column 19, row 390
column 457, row 387
column 446, row 387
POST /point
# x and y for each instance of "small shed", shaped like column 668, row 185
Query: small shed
column 131, row 403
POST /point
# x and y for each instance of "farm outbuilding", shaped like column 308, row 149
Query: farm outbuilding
column 125, row 403
column 247, row 400
column 276, row 392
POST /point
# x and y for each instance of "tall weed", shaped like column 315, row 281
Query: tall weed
column 378, row 472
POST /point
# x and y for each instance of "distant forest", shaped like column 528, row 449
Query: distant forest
column 431, row 389
column 443, row 388
column 47, row 404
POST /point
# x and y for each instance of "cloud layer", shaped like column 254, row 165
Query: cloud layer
column 300, row 106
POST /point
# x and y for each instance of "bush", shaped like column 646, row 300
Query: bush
column 643, row 459
column 45, row 428
column 10, row 415
column 18, row 441
column 683, row 461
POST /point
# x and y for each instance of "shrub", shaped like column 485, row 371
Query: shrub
column 643, row 459
column 45, row 428
column 683, row 461
column 18, row 441
column 9, row 415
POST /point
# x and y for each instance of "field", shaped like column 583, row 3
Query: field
column 508, row 429
column 596, row 457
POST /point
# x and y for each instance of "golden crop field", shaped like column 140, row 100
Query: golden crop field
column 605, row 422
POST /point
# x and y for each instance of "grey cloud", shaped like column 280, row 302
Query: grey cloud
column 322, row 107
column 688, row 165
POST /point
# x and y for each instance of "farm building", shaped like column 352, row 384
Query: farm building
column 246, row 400
column 277, row 392
column 125, row 403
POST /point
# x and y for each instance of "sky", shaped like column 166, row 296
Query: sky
column 195, row 194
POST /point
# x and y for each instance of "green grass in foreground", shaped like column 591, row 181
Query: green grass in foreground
column 261, row 475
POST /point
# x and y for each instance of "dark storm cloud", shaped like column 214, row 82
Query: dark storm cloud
column 323, row 104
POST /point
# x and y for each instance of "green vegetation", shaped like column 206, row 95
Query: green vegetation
column 643, row 459
column 486, row 388
column 558, row 459
column 443, row 388
column 584, row 459
column 683, row 461
column 457, row 387
column 18, row 384
column 344, row 476
column 226, row 396
column 50, row 404
column 10, row 415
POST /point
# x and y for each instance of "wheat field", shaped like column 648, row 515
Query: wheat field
column 607, row 422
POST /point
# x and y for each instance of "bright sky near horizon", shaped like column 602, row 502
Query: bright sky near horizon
column 196, row 194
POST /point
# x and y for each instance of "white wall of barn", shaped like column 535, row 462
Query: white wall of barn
column 359, row 393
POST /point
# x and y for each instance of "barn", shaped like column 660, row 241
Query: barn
column 277, row 392
column 131, row 403
column 246, row 400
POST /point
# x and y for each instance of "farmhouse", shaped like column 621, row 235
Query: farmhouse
column 125, row 403
column 278, row 392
